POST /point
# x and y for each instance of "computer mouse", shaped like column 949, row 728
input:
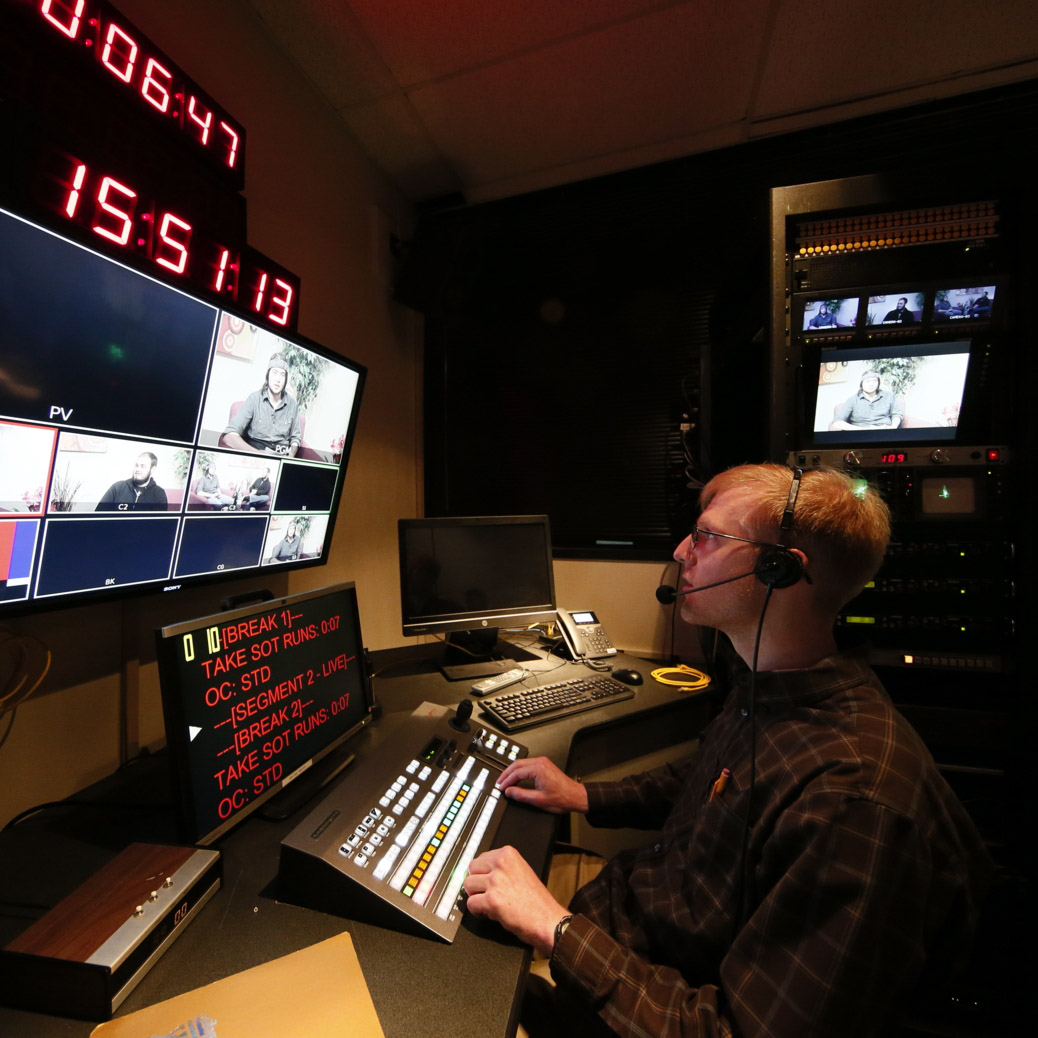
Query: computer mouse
column 628, row 677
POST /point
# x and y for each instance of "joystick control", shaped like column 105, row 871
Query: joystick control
column 460, row 721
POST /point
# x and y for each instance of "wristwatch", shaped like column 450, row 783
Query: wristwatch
column 560, row 929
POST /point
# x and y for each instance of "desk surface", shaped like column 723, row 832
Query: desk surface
column 243, row 925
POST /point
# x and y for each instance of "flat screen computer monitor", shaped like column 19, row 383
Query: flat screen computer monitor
column 889, row 395
column 134, row 450
column 253, row 698
column 471, row 576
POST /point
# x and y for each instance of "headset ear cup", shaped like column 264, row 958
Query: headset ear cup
column 778, row 568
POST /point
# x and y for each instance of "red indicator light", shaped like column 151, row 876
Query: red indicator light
column 994, row 454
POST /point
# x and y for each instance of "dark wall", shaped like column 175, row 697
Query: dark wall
column 573, row 333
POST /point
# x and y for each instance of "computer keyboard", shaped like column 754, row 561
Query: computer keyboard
column 525, row 707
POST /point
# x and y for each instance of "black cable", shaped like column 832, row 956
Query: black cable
column 101, row 805
column 744, row 881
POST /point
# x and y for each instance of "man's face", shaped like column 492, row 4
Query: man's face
column 718, row 558
column 870, row 384
column 142, row 469
column 901, row 303
column 276, row 379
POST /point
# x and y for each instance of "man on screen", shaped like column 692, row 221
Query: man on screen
column 209, row 488
column 288, row 548
column 259, row 492
column 872, row 407
column 268, row 420
column 811, row 867
column 138, row 493
column 823, row 319
column 900, row 314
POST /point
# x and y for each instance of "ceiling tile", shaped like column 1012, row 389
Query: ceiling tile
column 877, row 47
column 675, row 73
column 396, row 141
column 425, row 41
column 330, row 47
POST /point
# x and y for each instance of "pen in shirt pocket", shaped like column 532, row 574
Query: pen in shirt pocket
column 719, row 783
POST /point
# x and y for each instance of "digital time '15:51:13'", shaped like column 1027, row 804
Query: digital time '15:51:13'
column 116, row 212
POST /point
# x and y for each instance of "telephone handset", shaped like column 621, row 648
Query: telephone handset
column 585, row 637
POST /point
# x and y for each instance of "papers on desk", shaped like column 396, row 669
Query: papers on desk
column 318, row 992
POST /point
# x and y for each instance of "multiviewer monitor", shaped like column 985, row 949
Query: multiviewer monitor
column 890, row 395
column 254, row 697
column 149, row 439
column 475, row 575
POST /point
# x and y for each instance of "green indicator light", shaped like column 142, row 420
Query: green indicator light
column 115, row 352
column 860, row 619
column 861, row 488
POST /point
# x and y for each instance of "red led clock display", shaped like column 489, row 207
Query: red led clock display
column 132, row 62
column 893, row 458
column 117, row 212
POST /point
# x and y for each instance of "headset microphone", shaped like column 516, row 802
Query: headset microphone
column 666, row 594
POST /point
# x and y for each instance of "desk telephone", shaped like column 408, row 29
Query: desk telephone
column 585, row 637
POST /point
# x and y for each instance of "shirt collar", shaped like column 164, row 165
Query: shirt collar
column 780, row 689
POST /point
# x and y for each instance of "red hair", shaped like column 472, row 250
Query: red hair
column 840, row 523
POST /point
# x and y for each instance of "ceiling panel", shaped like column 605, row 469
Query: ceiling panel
column 668, row 75
column 424, row 41
column 878, row 47
column 490, row 99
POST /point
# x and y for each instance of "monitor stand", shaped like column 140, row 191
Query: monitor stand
column 479, row 654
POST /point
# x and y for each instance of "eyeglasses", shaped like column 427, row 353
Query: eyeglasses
column 697, row 531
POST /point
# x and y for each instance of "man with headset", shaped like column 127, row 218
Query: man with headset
column 813, row 866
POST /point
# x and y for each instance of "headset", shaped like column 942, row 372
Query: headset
column 778, row 567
